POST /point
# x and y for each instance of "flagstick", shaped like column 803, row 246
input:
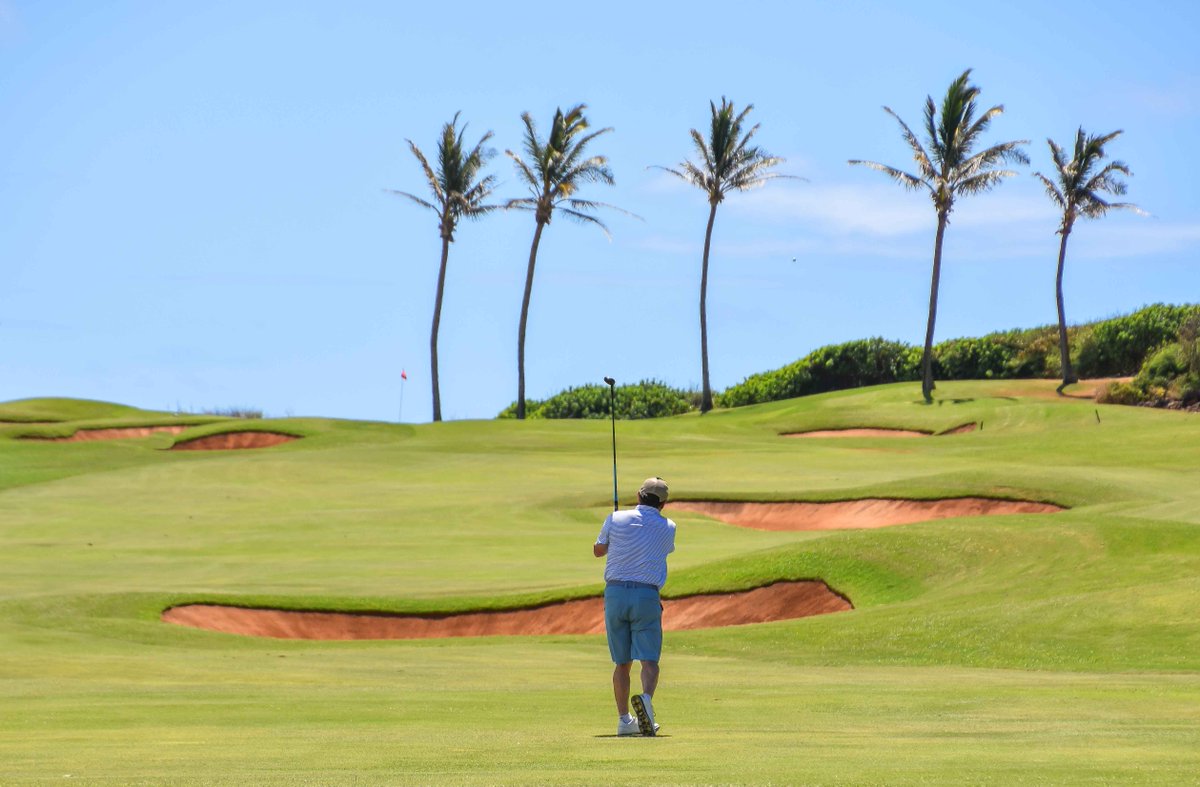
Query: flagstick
column 400, row 417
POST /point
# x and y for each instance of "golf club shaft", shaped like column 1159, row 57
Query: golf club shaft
column 612, row 410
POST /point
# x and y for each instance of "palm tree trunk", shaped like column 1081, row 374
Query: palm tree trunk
column 927, row 356
column 433, row 333
column 537, row 237
column 706, row 400
column 1063, row 347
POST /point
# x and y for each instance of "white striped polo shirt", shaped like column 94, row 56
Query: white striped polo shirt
column 639, row 541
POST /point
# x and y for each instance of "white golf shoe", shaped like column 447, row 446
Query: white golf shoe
column 628, row 728
column 643, row 710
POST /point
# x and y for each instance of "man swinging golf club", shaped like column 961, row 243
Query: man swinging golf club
column 636, row 543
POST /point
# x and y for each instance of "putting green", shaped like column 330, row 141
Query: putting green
column 1028, row 648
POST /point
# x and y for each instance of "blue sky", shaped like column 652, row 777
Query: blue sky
column 193, row 211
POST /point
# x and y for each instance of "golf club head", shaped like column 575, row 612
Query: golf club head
column 610, row 381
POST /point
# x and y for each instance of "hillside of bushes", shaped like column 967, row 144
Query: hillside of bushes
column 646, row 399
column 1157, row 345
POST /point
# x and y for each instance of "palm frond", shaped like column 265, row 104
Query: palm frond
column 585, row 218
column 521, row 203
column 592, row 170
column 920, row 156
column 973, row 131
column 415, row 199
column 702, row 148
column 481, row 190
column 958, row 107
column 908, row 181
column 1052, row 191
column 587, row 205
column 1106, row 180
column 434, row 183
column 531, row 178
column 752, row 174
column 984, row 181
column 1003, row 153
column 479, row 211
column 936, row 149
column 1129, row 206
column 569, row 167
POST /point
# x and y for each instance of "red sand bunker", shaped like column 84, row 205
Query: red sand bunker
column 856, row 514
column 781, row 601
column 879, row 432
column 233, row 440
column 117, row 433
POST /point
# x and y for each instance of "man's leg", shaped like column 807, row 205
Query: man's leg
column 649, row 678
column 621, row 686
column 647, row 649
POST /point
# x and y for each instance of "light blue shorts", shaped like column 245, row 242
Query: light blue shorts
column 633, row 620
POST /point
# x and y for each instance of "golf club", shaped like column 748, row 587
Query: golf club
column 612, row 409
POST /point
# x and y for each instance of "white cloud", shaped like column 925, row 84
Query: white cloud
column 881, row 221
column 840, row 209
column 1000, row 209
column 1137, row 238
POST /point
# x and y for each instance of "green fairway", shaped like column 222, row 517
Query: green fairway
column 1038, row 649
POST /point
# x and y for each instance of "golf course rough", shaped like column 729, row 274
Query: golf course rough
column 779, row 601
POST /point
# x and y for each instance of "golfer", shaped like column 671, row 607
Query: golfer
column 636, row 543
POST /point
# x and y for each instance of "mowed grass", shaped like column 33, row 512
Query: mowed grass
column 1046, row 649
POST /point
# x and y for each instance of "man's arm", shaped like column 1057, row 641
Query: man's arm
column 600, row 548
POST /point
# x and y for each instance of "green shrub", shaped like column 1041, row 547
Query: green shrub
column 833, row 367
column 1189, row 342
column 1119, row 346
column 973, row 359
column 645, row 399
column 1036, row 352
column 1162, row 368
column 792, row 380
column 1187, row 389
column 1121, row 393
column 531, row 407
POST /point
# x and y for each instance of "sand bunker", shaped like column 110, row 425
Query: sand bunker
column 233, row 440
column 864, row 432
column 879, row 432
column 780, row 601
column 856, row 514
column 116, row 433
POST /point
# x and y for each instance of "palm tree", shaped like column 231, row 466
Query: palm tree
column 947, row 170
column 1077, row 193
column 556, row 169
column 456, row 195
column 726, row 163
